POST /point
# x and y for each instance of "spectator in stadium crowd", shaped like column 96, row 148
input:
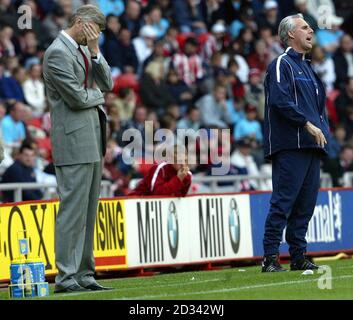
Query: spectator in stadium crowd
column 144, row 43
column 188, row 63
column 315, row 8
column 168, row 178
column 329, row 38
column 171, row 44
column 255, row 92
column 12, row 85
column 157, row 55
column 29, row 47
column 348, row 122
column 213, row 108
column 324, row 67
column 2, row 71
column 296, row 131
column 302, row 7
column 154, row 18
column 238, row 89
column 111, row 171
column 33, row 89
column 127, row 60
column 249, row 127
column 260, row 58
column 54, row 22
column 337, row 167
column 131, row 18
column 154, row 91
column 174, row 110
column 216, row 42
column 166, row 8
column 125, row 104
column 10, row 64
column 12, row 126
column 191, row 120
column 343, row 59
column 2, row 114
column 211, row 11
column 338, row 139
column 21, row 171
column 246, row 42
column 344, row 99
column 178, row 89
column 36, row 24
column 273, row 46
column 138, row 122
column 110, row 42
column 188, row 16
column 234, row 53
column 7, row 47
column 1, row 151
column 244, row 162
column 271, row 17
column 168, row 122
column 222, row 77
column 111, row 7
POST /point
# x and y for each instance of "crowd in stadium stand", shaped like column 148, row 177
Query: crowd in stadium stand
column 179, row 63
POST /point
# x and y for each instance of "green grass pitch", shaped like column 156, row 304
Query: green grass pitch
column 229, row 284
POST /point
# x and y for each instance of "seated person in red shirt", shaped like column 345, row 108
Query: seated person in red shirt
column 171, row 178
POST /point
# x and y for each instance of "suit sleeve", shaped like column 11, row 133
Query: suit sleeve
column 64, row 79
column 281, row 93
column 102, row 74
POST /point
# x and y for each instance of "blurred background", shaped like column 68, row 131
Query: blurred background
column 181, row 64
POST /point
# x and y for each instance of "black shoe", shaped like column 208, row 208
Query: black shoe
column 73, row 288
column 96, row 287
column 271, row 264
column 303, row 264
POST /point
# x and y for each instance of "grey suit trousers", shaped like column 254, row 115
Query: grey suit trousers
column 79, row 189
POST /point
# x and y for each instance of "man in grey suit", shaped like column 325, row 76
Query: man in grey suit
column 75, row 74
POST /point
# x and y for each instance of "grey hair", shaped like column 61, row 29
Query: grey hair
column 89, row 13
column 287, row 24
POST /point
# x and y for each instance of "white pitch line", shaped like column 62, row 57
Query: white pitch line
column 230, row 289
column 176, row 284
column 350, row 267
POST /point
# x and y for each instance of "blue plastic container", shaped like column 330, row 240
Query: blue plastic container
column 37, row 269
column 21, row 280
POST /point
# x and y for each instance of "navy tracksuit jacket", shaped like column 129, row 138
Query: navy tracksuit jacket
column 294, row 95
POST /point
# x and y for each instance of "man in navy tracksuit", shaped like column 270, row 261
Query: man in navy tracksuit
column 296, row 135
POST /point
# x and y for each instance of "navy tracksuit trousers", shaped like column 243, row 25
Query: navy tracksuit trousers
column 295, row 181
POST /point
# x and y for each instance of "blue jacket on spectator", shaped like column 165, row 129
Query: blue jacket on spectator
column 294, row 95
column 12, row 89
column 18, row 172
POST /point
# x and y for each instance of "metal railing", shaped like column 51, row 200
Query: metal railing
column 234, row 183
column 49, row 189
column 214, row 184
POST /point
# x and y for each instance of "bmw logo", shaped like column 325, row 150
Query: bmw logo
column 173, row 230
column 234, row 225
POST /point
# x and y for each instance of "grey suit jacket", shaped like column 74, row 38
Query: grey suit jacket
column 76, row 129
